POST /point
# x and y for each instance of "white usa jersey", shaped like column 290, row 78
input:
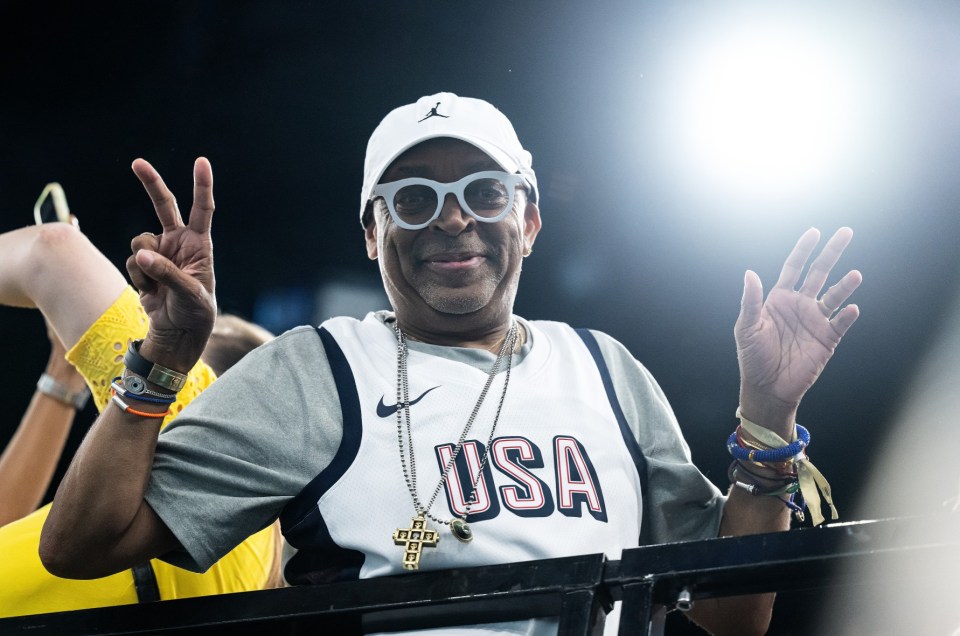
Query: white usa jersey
column 562, row 477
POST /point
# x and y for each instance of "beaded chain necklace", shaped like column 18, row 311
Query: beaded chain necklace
column 419, row 535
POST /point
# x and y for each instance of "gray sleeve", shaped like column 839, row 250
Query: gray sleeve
column 682, row 504
column 229, row 463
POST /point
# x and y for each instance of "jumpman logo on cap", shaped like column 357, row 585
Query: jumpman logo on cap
column 433, row 113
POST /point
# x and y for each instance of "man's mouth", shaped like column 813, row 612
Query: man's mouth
column 454, row 261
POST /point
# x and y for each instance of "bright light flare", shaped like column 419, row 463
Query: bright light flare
column 765, row 109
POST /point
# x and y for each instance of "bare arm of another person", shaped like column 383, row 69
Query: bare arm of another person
column 99, row 522
column 28, row 462
column 783, row 344
column 52, row 267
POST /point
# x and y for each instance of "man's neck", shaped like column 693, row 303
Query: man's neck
column 458, row 331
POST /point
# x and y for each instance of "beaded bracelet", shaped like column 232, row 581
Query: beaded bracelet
column 781, row 454
column 119, row 389
column 776, row 450
column 786, row 468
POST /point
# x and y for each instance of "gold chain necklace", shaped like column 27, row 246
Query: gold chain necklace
column 419, row 535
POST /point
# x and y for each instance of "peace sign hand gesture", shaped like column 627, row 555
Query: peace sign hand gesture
column 174, row 270
column 784, row 343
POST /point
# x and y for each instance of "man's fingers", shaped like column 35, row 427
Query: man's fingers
column 145, row 241
column 792, row 267
column 821, row 266
column 141, row 242
column 140, row 280
column 834, row 297
column 202, row 211
column 844, row 319
column 161, row 271
column 752, row 301
column 163, row 200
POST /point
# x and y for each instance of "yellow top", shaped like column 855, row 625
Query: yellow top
column 98, row 355
column 27, row 588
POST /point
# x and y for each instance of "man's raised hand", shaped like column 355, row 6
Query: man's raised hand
column 784, row 343
column 173, row 270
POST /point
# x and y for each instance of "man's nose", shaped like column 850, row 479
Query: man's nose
column 453, row 218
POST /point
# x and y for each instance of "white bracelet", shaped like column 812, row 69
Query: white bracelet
column 49, row 386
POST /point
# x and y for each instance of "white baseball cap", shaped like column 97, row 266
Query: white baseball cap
column 445, row 115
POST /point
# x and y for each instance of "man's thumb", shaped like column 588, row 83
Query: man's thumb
column 162, row 270
column 146, row 259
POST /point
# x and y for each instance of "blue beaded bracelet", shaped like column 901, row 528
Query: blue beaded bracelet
column 771, row 455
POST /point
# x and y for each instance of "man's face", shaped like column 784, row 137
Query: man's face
column 455, row 265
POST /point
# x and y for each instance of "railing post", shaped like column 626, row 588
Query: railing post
column 636, row 610
column 583, row 612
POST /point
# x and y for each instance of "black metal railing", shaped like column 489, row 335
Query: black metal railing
column 578, row 591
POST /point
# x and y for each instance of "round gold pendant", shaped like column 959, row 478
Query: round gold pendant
column 461, row 530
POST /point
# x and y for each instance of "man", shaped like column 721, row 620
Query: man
column 543, row 441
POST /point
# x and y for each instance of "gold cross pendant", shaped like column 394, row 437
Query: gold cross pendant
column 413, row 540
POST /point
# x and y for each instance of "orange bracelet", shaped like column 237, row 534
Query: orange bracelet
column 126, row 409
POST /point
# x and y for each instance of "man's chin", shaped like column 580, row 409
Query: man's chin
column 457, row 301
column 457, row 305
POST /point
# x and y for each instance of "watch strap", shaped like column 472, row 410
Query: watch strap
column 155, row 373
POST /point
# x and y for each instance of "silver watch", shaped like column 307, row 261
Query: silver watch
column 48, row 385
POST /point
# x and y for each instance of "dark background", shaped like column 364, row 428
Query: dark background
column 637, row 240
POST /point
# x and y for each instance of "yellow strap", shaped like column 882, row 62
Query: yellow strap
column 810, row 478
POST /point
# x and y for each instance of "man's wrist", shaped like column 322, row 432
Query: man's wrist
column 771, row 413
column 178, row 354
column 153, row 372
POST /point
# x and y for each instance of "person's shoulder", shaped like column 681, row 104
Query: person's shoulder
column 308, row 338
column 299, row 331
column 289, row 342
column 602, row 338
column 298, row 349
column 373, row 325
column 609, row 343
column 615, row 354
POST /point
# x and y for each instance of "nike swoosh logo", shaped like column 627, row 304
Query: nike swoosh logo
column 386, row 411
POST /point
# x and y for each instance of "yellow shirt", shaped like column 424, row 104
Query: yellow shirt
column 25, row 585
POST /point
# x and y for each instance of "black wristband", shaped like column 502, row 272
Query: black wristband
column 159, row 375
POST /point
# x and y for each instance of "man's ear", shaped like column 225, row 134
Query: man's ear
column 370, row 234
column 531, row 225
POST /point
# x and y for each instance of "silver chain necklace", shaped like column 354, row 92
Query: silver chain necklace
column 418, row 535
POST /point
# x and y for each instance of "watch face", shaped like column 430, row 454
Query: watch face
column 134, row 384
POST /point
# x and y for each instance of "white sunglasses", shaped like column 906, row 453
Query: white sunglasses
column 414, row 203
